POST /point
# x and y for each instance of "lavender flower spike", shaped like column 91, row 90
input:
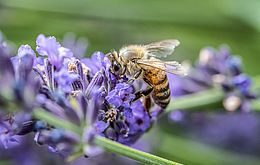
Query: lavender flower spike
column 217, row 68
column 81, row 91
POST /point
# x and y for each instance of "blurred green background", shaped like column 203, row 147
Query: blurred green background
column 110, row 24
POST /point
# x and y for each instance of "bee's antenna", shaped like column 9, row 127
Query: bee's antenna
column 108, row 54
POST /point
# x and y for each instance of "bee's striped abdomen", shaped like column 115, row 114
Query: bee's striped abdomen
column 161, row 90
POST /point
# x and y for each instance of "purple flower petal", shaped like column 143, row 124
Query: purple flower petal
column 48, row 46
column 101, row 126
column 25, row 50
column 65, row 79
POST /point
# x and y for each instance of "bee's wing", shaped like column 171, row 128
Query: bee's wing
column 168, row 66
column 161, row 48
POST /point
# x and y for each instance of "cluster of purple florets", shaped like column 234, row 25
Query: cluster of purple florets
column 221, row 70
column 79, row 90
column 121, row 119
column 218, row 68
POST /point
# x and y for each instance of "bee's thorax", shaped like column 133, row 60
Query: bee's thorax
column 132, row 52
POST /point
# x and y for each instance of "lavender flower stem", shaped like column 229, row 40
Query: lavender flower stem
column 199, row 151
column 55, row 121
column 140, row 156
column 256, row 105
column 197, row 100
column 105, row 143
column 256, row 80
column 206, row 99
column 75, row 156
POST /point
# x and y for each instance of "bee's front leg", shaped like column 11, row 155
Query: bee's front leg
column 136, row 75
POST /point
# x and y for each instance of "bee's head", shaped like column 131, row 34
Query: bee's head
column 117, row 65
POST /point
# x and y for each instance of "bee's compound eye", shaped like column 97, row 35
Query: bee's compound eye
column 133, row 60
column 116, row 67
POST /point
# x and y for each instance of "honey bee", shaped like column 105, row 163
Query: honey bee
column 143, row 61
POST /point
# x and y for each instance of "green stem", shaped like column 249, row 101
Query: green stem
column 256, row 88
column 256, row 81
column 140, row 156
column 105, row 143
column 197, row 100
column 207, row 99
column 256, row 105
column 195, row 152
column 56, row 121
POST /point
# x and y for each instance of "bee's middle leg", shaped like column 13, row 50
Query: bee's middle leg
column 135, row 76
column 146, row 92
column 140, row 94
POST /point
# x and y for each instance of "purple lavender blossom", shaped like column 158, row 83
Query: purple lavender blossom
column 120, row 119
column 232, row 131
column 77, row 46
column 122, row 95
column 48, row 46
column 237, row 132
column 12, row 126
column 217, row 68
column 24, row 61
column 16, row 83
column 24, row 50
column 81, row 91
column 8, row 46
column 6, row 135
column 65, row 79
